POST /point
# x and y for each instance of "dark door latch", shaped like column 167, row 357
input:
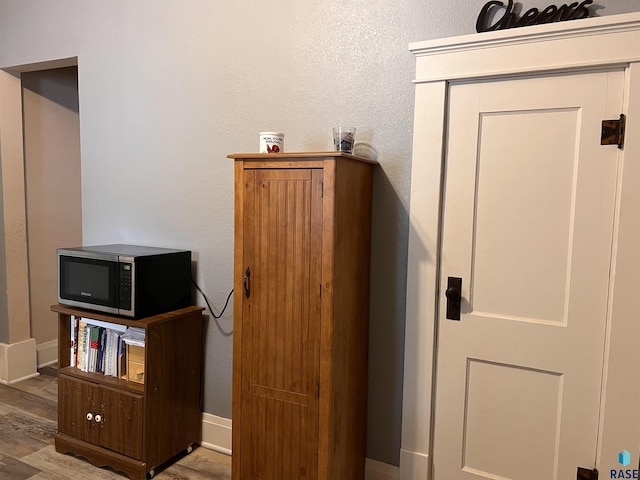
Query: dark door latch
column 454, row 296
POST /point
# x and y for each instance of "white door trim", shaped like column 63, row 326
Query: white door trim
column 600, row 42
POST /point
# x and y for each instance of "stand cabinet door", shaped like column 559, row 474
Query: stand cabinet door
column 101, row 415
column 121, row 427
column 281, row 323
column 77, row 405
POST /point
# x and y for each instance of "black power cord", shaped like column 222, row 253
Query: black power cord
column 216, row 317
column 207, row 301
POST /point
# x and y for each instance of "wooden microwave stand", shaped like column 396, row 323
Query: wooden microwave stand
column 129, row 426
column 301, row 315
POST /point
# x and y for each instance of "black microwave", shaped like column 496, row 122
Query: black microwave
column 129, row 280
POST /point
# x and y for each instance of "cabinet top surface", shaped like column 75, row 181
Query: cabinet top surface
column 131, row 322
column 291, row 156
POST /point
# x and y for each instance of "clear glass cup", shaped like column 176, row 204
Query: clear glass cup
column 344, row 139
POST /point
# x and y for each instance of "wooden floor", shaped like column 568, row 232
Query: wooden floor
column 28, row 422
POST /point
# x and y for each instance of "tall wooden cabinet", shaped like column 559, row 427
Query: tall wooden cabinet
column 302, row 248
column 129, row 426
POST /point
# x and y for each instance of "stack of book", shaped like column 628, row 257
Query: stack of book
column 98, row 346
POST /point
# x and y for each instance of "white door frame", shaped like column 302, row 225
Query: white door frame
column 594, row 43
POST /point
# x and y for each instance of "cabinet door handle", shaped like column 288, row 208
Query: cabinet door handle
column 89, row 416
column 98, row 418
column 245, row 283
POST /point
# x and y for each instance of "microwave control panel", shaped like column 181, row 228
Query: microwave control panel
column 125, row 286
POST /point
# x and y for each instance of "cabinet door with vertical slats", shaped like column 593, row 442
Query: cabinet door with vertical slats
column 281, row 323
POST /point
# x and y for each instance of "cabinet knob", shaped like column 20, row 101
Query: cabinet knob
column 98, row 418
column 89, row 416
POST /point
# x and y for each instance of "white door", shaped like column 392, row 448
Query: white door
column 528, row 222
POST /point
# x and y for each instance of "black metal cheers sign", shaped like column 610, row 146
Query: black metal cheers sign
column 533, row 16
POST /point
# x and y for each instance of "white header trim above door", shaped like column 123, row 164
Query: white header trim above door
column 566, row 45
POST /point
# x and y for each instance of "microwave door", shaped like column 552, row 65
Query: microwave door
column 89, row 283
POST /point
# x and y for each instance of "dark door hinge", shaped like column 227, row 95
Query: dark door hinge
column 587, row 474
column 613, row 132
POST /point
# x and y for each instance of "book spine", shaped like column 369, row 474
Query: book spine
column 121, row 365
column 107, row 352
column 75, row 341
column 101, row 350
column 89, row 353
column 82, row 339
column 72, row 342
column 95, row 347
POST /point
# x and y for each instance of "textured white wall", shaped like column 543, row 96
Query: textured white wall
column 168, row 88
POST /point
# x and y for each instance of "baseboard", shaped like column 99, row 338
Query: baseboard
column 18, row 361
column 216, row 435
column 375, row 470
column 413, row 465
column 47, row 353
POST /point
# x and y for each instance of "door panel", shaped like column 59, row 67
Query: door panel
column 528, row 220
column 121, row 426
column 512, row 392
column 77, row 399
column 538, row 189
column 281, row 314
